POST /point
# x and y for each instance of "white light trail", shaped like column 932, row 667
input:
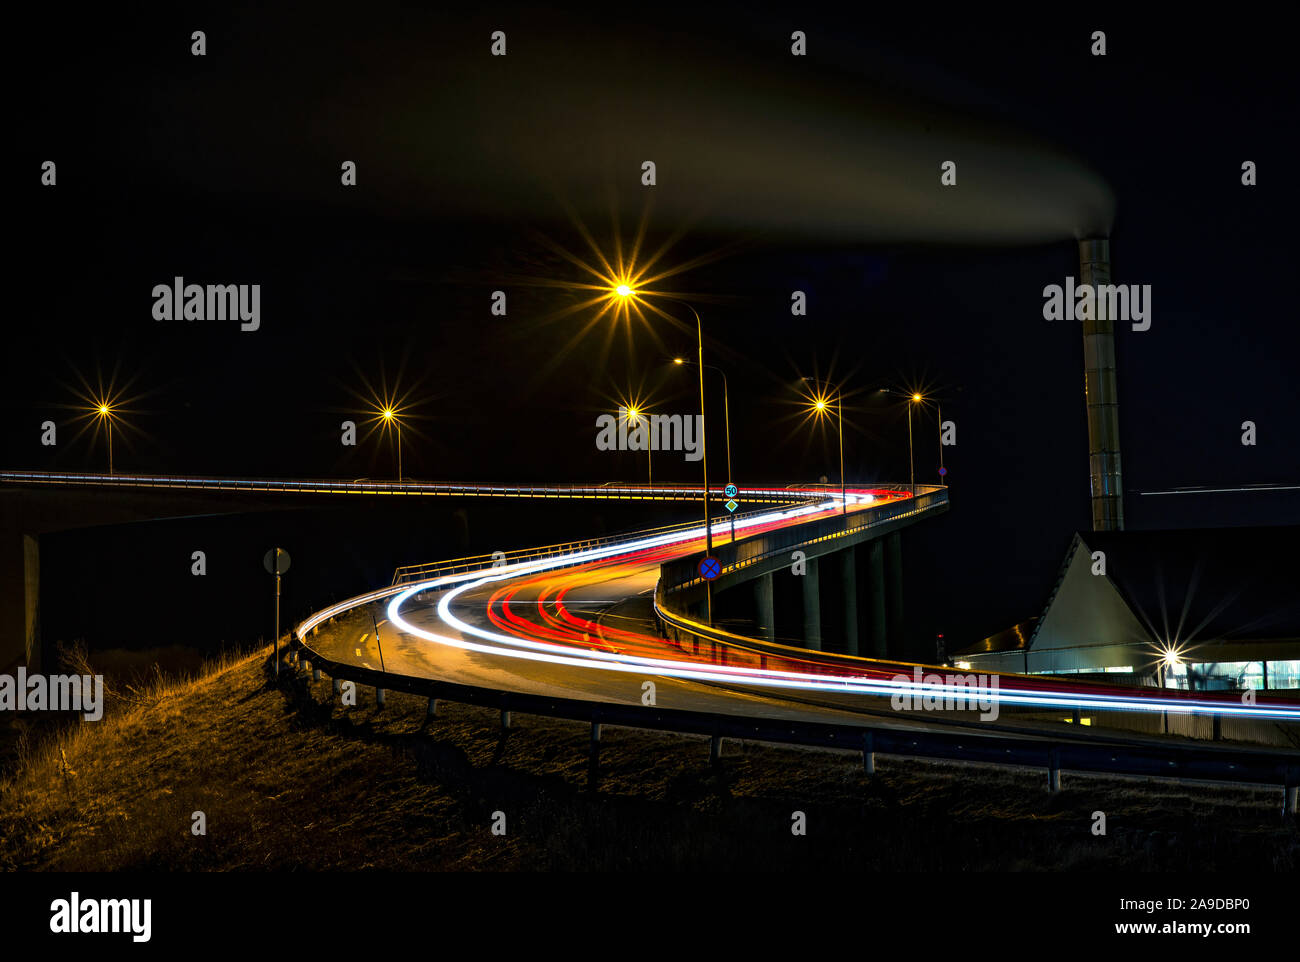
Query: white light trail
column 548, row 652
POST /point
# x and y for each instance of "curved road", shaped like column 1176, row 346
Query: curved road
column 581, row 625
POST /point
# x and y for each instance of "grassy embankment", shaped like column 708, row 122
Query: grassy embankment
column 288, row 780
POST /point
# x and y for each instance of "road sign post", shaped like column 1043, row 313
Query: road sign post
column 731, row 491
column 276, row 562
column 378, row 643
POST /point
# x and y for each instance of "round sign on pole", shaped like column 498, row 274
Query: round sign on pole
column 280, row 557
column 730, row 491
column 943, row 472
column 710, row 568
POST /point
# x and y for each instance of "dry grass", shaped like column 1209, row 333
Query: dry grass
column 288, row 780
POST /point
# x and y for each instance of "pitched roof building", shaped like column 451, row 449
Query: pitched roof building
column 1206, row 608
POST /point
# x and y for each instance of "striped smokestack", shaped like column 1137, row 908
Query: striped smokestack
column 1101, row 394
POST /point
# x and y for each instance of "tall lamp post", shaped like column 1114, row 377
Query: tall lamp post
column 820, row 403
column 625, row 290
column 912, row 399
column 106, row 415
column 911, row 461
column 938, row 413
column 726, row 414
column 390, row 417
column 634, row 417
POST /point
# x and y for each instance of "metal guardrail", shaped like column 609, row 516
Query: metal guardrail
column 1055, row 754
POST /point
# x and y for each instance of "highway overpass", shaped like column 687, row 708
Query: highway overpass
column 33, row 503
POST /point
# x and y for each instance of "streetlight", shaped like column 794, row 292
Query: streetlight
column 726, row 414
column 911, row 461
column 938, row 413
column 390, row 417
column 917, row 398
column 1171, row 657
column 821, row 403
column 634, row 417
column 105, row 413
column 624, row 290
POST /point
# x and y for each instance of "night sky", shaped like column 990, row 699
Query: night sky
column 778, row 173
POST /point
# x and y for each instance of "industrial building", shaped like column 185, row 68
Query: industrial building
column 1204, row 609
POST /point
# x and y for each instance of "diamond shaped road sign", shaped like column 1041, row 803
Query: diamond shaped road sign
column 732, row 506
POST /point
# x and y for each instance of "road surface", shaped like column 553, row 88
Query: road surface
column 581, row 624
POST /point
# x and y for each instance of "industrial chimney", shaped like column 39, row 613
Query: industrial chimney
column 1101, row 394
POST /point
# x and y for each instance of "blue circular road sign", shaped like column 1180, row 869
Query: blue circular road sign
column 710, row 568
column 730, row 491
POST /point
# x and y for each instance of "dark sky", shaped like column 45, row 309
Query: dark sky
column 817, row 174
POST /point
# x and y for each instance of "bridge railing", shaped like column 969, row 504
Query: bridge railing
column 684, row 573
column 580, row 551
column 573, row 490
column 405, row 574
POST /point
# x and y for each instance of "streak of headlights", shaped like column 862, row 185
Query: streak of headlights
column 549, row 653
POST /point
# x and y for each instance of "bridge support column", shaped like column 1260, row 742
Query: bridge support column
column 894, row 593
column 812, row 611
column 849, row 586
column 766, row 614
column 876, row 599
column 20, row 599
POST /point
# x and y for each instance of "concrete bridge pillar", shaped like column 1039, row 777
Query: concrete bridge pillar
column 894, row 592
column 766, row 611
column 812, row 611
column 20, row 595
column 876, row 615
column 849, row 586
